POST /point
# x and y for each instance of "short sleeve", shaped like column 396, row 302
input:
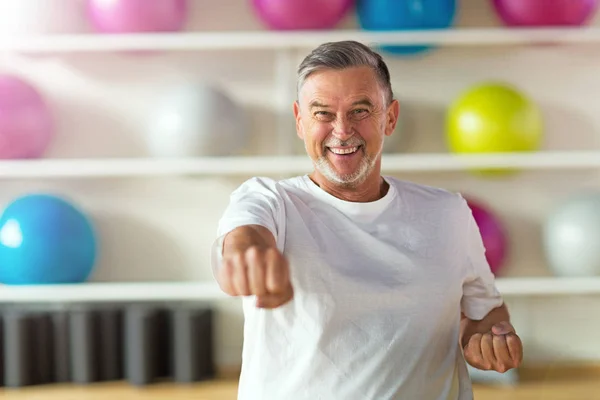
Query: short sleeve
column 257, row 201
column 480, row 295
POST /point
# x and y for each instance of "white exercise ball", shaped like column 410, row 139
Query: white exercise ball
column 197, row 119
column 572, row 237
column 35, row 17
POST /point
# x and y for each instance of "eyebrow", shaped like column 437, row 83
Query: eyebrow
column 361, row 102
column 317, row 104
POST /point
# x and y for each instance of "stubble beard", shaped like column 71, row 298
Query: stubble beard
column 349, row 181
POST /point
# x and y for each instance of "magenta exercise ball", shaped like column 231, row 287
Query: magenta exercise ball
column 492, row 234
column 545, row 12
column 26, row 122
column 302, row 14
column 131, row 16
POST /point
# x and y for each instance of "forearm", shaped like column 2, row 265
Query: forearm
column 240, row 239
column 470, row 327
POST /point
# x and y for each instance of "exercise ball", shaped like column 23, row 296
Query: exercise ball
column 26, row 122
column 196, row 119
column 492, row 232
column 533, row 13
column 41, row 17
column 45, row 239
column 571, row 236
column 133, row 16
column 393, row 15
column 493, row 117
column 301, row 14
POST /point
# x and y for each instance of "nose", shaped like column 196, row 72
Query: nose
column 343, row 128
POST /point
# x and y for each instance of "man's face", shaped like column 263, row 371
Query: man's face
column 343, row 116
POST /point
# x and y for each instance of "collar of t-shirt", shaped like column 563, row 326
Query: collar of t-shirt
column 358, row 210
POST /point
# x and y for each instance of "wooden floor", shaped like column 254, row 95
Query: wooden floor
column 226, row 390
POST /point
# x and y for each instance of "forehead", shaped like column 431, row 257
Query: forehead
column 340, row 85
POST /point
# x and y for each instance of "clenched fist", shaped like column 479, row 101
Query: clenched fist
column 498, row 350
column 262, row 272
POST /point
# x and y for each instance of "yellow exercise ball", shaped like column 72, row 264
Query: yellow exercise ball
column 493, row 117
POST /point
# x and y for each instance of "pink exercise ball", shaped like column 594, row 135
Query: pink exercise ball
column 302, row 14
column 132, row 16
column 545, row 12
column 26, row 123
column 492, row 234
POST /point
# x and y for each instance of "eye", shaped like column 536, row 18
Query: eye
column 359, row 112
column 323, row 115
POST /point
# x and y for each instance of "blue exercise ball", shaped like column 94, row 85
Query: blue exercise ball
column 44, row 239
column 399, row 15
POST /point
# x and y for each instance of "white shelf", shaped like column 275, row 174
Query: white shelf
column 273, row 40
column 543, row 286
column 112, row 292
column 525, row 160
column 259, row 165
column 210, row 291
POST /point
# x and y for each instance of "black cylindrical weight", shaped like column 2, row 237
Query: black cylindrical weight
column 140, row 344
column 163, row 359
column 192, row 344
column 84, row 347
column 18, row 365
column 62, row 350
column 43, row 349
column 111, row 344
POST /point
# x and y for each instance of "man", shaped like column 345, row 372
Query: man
column 355, row 285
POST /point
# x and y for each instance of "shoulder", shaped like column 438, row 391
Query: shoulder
column 261, row 186
column 257, row 183
column 271, row 184
column 425, row 195
column 421, row 191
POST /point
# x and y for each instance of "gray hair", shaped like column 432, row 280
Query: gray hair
column 345, row 54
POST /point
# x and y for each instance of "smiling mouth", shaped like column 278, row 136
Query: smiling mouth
column 344, row 151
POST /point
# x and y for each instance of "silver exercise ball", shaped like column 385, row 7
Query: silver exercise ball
column 195, row 120
column 571, row 237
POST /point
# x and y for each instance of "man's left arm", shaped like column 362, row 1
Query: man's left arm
column 487, row 337
column 492, row 342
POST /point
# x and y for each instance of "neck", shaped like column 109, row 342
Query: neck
column 372, row 189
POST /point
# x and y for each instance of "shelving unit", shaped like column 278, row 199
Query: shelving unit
column 253, row 40
column 210, row 291
column 284, row 43
column 252, row 165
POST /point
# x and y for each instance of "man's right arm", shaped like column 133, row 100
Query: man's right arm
column 244, row 237
column 252, row 265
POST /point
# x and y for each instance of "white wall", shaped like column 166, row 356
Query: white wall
column 161, row 229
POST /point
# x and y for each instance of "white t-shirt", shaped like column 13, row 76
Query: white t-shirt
column 378, row 291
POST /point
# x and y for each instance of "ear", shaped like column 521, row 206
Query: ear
column 299, row 129
column 393, row 113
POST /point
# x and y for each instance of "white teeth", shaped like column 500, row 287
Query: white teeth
column 349, row 150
